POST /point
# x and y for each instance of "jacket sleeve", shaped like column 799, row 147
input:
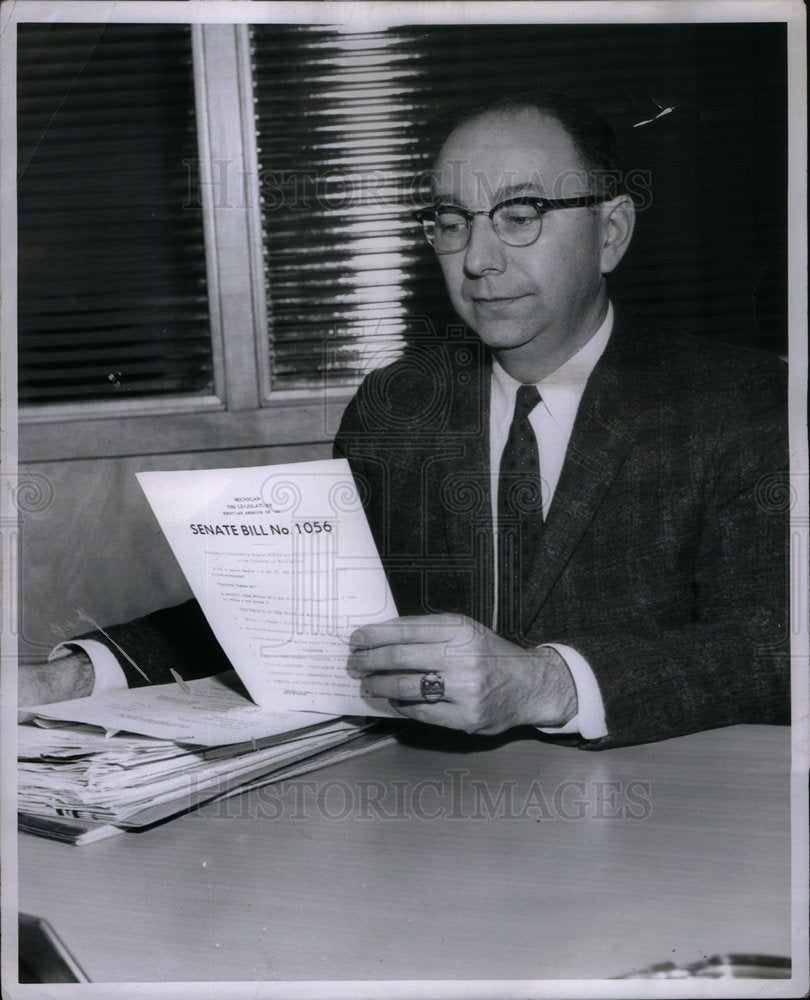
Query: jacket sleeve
column 730, row 663
column 177, row 638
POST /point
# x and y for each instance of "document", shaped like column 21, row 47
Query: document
column 211, row 711
column 284, row 566
column 90, row 766
column 133, row 780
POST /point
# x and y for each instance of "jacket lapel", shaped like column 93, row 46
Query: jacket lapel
column 603, row 432
column 463, row 483
column 605, row 427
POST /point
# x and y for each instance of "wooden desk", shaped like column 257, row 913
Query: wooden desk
column 609, row 862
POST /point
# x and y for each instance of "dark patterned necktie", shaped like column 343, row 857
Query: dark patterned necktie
column 520, row 510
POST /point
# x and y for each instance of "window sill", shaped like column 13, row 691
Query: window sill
column 87, row 431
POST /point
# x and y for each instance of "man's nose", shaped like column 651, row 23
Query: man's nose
column 485, row 251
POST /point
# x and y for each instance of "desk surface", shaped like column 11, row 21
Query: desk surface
column 526, row 861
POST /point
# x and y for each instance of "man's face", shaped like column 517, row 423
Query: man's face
column 535, row 305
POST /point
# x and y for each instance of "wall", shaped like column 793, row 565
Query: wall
column 88, row 539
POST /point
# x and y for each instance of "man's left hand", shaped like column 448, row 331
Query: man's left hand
column 490, row 684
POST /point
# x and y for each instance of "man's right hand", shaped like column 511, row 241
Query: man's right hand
column 65, row 677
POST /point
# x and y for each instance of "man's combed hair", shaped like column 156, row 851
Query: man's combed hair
column 593, row 138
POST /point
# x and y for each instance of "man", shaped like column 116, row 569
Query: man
column 567, row 507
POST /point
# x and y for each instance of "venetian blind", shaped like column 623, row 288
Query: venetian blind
column 347, row 123
column 112, row 287
column 340, row 168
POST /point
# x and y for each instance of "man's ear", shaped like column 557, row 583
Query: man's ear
column 618, row 217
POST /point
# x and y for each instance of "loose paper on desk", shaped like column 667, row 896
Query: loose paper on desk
column 284, row 566
column 212, row 711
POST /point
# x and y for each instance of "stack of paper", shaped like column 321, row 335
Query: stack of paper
column 74, row 778
column 283, row 564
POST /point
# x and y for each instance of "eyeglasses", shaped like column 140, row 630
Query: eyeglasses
column 518, row 222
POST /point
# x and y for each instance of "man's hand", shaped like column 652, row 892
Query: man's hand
column 490, row 684
column 58, row 680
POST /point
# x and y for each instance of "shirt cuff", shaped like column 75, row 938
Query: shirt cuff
column 589, row 721
column 107, row 672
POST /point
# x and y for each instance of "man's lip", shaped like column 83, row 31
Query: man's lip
column 497, row 298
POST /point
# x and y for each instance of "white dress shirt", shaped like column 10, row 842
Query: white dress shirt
column 107, row 672
column 552, row 421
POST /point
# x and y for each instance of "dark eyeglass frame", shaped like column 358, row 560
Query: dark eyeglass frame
column 542, row 205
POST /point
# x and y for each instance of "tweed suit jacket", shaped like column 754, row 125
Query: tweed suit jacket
column 663, row 559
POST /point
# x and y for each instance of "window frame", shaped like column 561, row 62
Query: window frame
column 242, row 412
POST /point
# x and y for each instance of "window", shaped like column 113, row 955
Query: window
column 340, row 166
column 112, row 284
